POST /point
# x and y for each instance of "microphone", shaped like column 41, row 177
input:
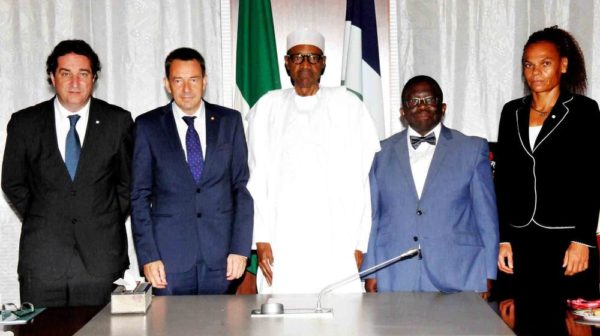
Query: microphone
column 276, row 309
column 406, row 255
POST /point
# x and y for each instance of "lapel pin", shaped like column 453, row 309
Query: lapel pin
column 553, row 116
column 212, row 118
column 97, row 122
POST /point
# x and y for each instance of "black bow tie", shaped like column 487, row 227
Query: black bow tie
column 415, row 141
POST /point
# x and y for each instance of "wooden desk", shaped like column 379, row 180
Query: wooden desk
column 353, row 314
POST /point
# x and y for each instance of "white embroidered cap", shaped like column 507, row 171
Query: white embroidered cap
column 306, row 36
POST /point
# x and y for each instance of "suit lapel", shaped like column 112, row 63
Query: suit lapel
column 441, row 149
column 49, row 136
column 555, row 118
column 212, row 131
column 169, row 128
column 522, row 118
column 401, row 148
column 93, row 133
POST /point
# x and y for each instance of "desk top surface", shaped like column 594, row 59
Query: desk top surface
column 353, row 314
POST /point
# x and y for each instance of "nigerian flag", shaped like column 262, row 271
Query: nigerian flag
column 256, row 57
column 360, row 62
column 256, row 62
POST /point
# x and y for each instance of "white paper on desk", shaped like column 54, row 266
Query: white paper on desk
column 129, row 280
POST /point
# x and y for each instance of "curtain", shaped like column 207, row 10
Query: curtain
column 473, row 49
column 132, row 39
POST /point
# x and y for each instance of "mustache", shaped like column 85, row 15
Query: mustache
column 306, row 72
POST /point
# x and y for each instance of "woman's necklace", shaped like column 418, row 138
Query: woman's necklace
column 542, row 113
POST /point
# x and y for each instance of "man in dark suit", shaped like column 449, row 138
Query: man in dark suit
column 432, row 186
column 66, row 171
column 191, row 211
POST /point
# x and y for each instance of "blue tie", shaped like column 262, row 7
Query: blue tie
column 194, row 150
column 73, row 147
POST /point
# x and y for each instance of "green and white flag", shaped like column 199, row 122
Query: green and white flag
column 256, row 57
column 256, row 62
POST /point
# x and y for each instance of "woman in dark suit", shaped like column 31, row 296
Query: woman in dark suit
column 545, row 171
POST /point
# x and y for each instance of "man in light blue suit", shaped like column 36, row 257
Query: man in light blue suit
column 432, row 186
column 191, row 212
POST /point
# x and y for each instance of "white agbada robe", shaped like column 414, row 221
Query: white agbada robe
column 309, row 161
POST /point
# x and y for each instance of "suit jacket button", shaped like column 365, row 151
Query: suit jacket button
column 198, row 190
column 415, row 238
column 73, row 221
column 198, row 215
column 73, row 193
column 419, row 212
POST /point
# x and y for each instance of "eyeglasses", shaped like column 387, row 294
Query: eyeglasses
column 300, row 58
column 414, row 102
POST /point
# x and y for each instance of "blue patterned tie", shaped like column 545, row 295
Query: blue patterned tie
column 72, row 147
column 194, row 150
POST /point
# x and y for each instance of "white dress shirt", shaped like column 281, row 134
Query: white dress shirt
column 199, row 125
column 62, row 124
column 420, row 158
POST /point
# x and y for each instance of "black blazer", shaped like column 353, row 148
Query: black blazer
column 59, row 214
column 548, row 185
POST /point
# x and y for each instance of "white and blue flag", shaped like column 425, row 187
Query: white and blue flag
column 360, row 63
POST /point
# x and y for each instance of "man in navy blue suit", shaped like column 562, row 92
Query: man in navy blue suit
column 432, row 186
column 191, row 211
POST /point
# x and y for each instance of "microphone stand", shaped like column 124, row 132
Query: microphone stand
column 329, row 288
column 273, row 309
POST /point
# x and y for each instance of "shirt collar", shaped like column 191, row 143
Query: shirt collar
column 436, row 130
column 64, row 113
column 199, row 114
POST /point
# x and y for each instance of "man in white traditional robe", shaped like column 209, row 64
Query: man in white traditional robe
column 310, row 151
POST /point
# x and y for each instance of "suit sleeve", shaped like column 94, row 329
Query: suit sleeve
column 15, row 168
column 483, row 198
column 241, row 239
column 500, row 175
column 141, row 196
column 587, row 176
column 123, row 166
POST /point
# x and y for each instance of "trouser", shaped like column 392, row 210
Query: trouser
column 541, row 288
column 199, row 280
column 77, row 287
